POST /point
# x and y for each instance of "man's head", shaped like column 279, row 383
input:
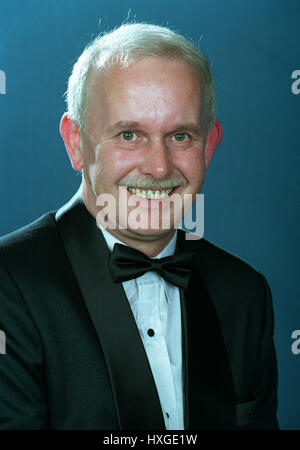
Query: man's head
column 141, row 114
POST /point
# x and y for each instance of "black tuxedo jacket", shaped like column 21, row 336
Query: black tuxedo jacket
column 74, row 357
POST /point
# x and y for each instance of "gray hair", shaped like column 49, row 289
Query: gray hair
column 126, row 44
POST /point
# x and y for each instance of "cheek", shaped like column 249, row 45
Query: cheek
column 93, row 162
column 192, row 165
column 113, row 164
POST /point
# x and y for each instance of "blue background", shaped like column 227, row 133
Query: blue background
column 252, row 183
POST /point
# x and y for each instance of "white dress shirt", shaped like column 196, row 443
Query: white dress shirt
column 155, row 304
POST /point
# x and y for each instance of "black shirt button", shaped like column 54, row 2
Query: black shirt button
column 167, row 414
column 150, row 332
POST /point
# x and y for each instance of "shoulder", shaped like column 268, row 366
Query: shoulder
column 215, row 257
column 224, row 273
column 33, row 241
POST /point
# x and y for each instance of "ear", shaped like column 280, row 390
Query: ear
column 212, row 141
column 71, row 138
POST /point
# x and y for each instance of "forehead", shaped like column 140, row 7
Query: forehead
column 151, row 87
column 143, row 70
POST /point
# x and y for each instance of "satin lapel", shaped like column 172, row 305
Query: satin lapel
column 136, row 399
column 208, row 383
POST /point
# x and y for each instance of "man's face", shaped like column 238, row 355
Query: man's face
column 144, row 128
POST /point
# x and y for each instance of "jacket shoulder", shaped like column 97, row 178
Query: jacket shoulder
column 216, row 256
column 223, row 271
column 30, row 240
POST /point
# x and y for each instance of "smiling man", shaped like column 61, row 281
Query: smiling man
column 114, row 323
column 145, row 128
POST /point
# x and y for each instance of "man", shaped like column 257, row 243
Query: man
column 111, row 322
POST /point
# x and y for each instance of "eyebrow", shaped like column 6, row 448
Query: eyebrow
column 128, row 125
column 123, row 125
column 187, row 127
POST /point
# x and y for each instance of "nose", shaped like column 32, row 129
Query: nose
column 157, row 161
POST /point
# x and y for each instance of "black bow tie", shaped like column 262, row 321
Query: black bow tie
column 127, row 263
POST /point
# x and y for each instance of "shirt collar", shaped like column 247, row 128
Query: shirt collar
column 111, row 240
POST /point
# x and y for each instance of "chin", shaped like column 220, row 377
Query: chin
column 150, row 232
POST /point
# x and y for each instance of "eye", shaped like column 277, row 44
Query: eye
column 128, row 135
column 180, row 137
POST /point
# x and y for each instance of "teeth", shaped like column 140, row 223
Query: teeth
column 149, row 194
